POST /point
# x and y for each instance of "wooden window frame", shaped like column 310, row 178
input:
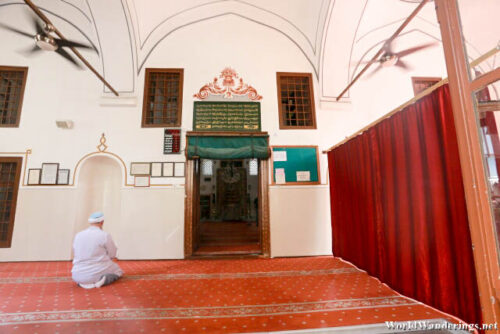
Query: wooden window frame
column 7, row 243
column 178, row 123
column 480, row 218
column 283, row 126
column 414, row 81
column 21, row 97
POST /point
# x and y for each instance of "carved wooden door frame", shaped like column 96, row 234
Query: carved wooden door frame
column 190, row 213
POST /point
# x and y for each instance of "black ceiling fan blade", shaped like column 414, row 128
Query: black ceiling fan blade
column 37, row 25
column 415, row 49
column 6, row 27
column 66, row 55
column 30, row 51
column 372, row 73
column 362, row 63
column 403, row 65
column 388, row 48
column 64, row 42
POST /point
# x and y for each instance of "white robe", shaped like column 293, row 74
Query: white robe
column 93, row 250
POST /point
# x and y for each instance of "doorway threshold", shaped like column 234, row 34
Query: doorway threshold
column 248, row 249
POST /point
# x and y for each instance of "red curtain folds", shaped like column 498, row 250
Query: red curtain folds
column 398, row 207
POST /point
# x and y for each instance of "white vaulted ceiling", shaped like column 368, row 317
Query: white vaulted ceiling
column 302, row 16
column 301, row 21
column 127, row 32
column 334, row 36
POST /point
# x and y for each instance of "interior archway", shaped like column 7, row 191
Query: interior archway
column 99, row 184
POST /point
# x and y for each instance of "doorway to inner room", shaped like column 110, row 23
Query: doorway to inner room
column 228, row 207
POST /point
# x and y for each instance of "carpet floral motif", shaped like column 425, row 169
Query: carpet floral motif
column 201, row 312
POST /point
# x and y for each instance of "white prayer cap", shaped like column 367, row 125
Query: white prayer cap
column 96, row 217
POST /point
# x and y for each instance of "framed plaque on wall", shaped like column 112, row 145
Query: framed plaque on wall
column 141, row 181
column 179, row 169
column 63, row 176
column 172, row 141
column 34, row 176
column 49, row 173
column 140, row 168
column 156, row 169
column 226, row 116
column 168, row 169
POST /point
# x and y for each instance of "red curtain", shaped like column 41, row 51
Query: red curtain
column 398, row 207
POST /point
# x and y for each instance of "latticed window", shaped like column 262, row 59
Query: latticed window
column 12, row 82
column 422, row 83
column 296, row 101
column 10, row 169
column 253, row 167
column 162, row 98
column 207, row 167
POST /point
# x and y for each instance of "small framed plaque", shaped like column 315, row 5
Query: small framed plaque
column 141, row 181
column 168, row 169
column 140, row 168
column 156, row 169
column 63, row 176
column 49, row 173
column 179, row 169
column 34, row 176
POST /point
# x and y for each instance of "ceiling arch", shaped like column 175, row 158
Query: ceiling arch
column 353, row 39
column 333, row 35
column 306, row 34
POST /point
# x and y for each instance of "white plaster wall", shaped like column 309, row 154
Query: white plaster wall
column 236, row 47
column 43, row 228
column 151, row 224
column 152, row 219
column 295, row 231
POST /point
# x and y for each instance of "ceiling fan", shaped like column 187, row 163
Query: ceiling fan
column 45, row 41
column 390, row 58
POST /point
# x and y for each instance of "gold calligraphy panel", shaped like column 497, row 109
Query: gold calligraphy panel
column 226, row 116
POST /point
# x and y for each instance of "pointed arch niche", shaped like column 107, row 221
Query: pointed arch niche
column 99, row 189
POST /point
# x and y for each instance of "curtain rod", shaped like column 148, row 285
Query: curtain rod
column 425, row 92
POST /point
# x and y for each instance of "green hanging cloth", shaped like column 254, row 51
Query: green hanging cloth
column 228, row 147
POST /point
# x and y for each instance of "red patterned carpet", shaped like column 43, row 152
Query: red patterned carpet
column 200, row 296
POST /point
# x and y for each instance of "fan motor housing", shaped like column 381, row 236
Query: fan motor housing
column 389, row 60
column 46, row 43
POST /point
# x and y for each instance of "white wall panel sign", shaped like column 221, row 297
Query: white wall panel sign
column 304, row 176
column 279, row 155
column 280, row 176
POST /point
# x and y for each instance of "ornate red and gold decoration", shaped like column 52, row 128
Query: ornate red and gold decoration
column 228, row 89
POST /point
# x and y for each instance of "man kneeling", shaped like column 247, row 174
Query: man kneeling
column 93, row 250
